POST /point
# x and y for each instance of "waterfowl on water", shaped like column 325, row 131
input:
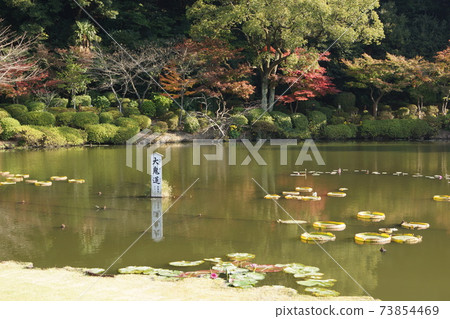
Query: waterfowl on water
column 100, row 207
column 99, row 193
column 382, row 249
column 62, row 226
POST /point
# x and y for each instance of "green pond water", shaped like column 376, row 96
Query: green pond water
column 225, row 212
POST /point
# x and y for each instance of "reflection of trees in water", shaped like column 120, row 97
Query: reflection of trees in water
column 91, row 236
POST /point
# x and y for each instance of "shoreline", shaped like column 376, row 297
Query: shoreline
column 20, row 281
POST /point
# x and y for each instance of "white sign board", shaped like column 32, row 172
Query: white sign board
column 157, row 219
column 156, row 175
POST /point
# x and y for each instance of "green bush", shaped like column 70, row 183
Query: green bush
column 56, row 110
column 385, row 115
column 335, row 120
column 142, row 120
column 327, row 111
column 111, row 97
column 282, row 120
column 88, row 109
column 127, row 111
column 81, row 100
column 435, row 122
column 432, row 110
column 265, row 128
column 16, row 111
column 366, row 116
column 36, row 106
column 346, row 100
column 237, row 110
column 204, row 122
column 72, row 135
column 308, row 105
column 64, row 119
column 101, row 133
column 420, row 129
column 101, row 102
column 403, row 113
column 105, row 118
column 30, row 136
column 40, row 118
column 191, row 124
column 148, row 108
column 59, row 102
column 115, row 113
column 52, row 138
column 162, row 104
column 172, row 120
column 239, row 120
column 447, row 122
column 4, row 114
column 317, row 121
column 300, row 121
column 412, row 109
column 160, row 127
column 82, row 119
column 395, row 129
column 298, row 133
column 9, row 127
column 123, row 134
column 125, row 122
column 257, row 114
column 338, row 132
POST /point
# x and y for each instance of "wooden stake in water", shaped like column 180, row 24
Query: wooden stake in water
column 156, row 175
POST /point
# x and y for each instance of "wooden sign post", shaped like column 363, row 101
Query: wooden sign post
column 156, row 175
column 156, row 193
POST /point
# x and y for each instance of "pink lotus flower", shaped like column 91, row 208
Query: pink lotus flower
column 214, row 275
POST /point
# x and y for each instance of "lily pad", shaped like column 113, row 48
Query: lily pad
column 293, row 268
column 415, row 225
column 248, row 276
column 95, row 271
column 214, row 260
column 168, row 272
column 326, row 283
column 322, row 292
column 199, row 273
column 136, row 270
column 184, row 263
column 406, row 239
column 242, row 283
column 264, row 268
column 240, row 256
column 225, row 267
column 320, row 237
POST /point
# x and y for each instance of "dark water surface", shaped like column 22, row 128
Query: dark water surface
column 234, row 215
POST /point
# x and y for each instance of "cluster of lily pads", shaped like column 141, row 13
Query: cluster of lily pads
column 238, row 271
column 12, row 179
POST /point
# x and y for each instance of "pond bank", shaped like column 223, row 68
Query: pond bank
column 19, row 282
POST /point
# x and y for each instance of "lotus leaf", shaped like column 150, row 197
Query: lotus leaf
column 95, row 271
column 322, row 292
column 317, row 283
column 136, row 270
column 184, row 263
column 240, row 256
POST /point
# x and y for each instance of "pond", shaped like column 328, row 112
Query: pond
column 224, row 212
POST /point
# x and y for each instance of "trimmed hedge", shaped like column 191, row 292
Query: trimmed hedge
column 127, row 111
column 239, row 120
column 396, row 129
column 82, row 119
column 81, row 100
column 160, row 127
column 36, row 106
column 52, row 138
column 30, row 136
column 124, row 133
column 59, row 102
column 72, row 135
column 16, row 111
column 148, row 108
column 64, row 119
column 101, row 102
column 346, row 100
column 4, row 114
column 191, row 124
column 115, row 113
column 257, row 114
column 9, row 127
column 40, row 118
column 282, row 120
column 142, row 120
column 101, row 133
column 125, row 122
column 172, row 120
column 56, row 110
column 105, row 118
column 300, row 121
column 338, row 132
column 162, row 104
column 264, row 128
column 317, row 120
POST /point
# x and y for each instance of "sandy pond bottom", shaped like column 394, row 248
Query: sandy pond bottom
column 18, row 282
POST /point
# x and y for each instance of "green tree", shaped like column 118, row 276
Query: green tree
column 73, row 77
column 273, row 29
column 86, row 34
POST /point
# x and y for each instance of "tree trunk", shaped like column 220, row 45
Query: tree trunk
column 271, row 97
column 264, row 91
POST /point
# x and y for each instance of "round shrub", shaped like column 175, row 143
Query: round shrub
column 4, row 114
column 72, row 135
column 172, row 120
column 386, row 115
column 101, row 102
column 435, row 122
column 17, row 111
column 300, row 121
column 338, row 132
column 40, row 118
column 335, row 120
column 403, row 113
column 64, row 119
column 204, row 122
column 412, row 109
column 36, row 106
column 317, row 118
column 30, row 136
column 9, row 126
column 125, row 122
column 111, row 97
column 432, row 110
column 282, row 120
column 191, row 124
column 447, row 122
column 81, row 100
column 257, row 114
column 88, row 109
column 81, row 119
column 53, row 137
column 105, row 118
column 148, row 108
column 59, row 102
column 127, row 111
column 420, row 129
column 160, row 127
column 329, row 111
column 142, row 120
column 115, row 113
column 162, row 104
column 123, row 134
column 101, row 133
column 264, row 128
column 239, row 120
column 56, row 110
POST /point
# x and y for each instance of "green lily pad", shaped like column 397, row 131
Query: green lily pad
column 293, row 268
column 326, row 283
column 248, row 275
column 184, row 263
column 309, row 275
column 264, row 268
column 199, row 273
column 240, row 256
column 168, row 272
column 322, row 292
column 214, row 260
column 94, row 271
column 136, row 270
column 225, row 267
column 243, row 283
